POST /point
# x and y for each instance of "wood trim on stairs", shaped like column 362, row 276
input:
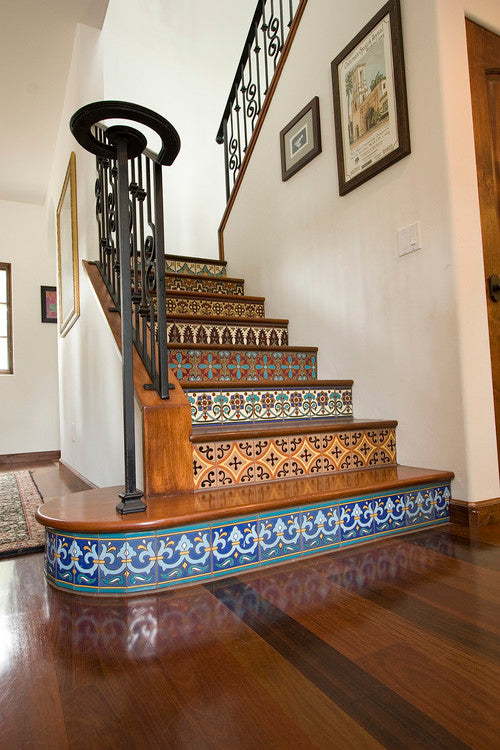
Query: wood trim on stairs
column 168, row 465
column 475, row 515
column 260, row 122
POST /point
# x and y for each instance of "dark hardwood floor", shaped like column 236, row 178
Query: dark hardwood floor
column 393, row 645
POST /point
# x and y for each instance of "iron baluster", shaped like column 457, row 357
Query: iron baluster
column 161, row 297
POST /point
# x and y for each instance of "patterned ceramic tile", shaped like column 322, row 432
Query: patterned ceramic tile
column 419, row 507
column 222, row 334
column 237, row 406
column 229, row 364
column 357, row 520
column 51, row 540
column 179, row 305
column 205, row 284
column 305, row 455
column 210, row 268
column 63, row 557
column 320, row 528
column 235, row 462
column 390, row 513
column 206, row 406
column 204, row 466
column 441, row 502
column 235, row 546
column 272, row 460
column 279, row 536
column 184, row 554
column 86, row 567
column 128, row 563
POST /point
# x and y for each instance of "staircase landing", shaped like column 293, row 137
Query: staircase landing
column 191, row 537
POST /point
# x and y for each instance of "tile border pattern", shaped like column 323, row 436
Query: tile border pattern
column 124, row 564
column 234, row 334
column 233, row 406
column 225, row 308
column 207, row 284
column 250, row 460
column 241, row 364
column 184, row 265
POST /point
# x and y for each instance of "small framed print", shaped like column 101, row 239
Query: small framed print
column 369, row 100
column 300, row 140
column 49, row 304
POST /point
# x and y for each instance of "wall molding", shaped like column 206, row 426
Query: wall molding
column 474, row 515
column 260, row 122
column 12, row 459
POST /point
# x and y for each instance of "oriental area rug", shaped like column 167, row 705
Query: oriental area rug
column 19, row 499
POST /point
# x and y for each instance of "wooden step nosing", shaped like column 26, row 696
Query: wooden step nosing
column 256, row 430
column 256, row 385
column 241, row 298
column 200, row 319
column 241, row 347
column 71, row 512
column 223, row 279
column 204, row 261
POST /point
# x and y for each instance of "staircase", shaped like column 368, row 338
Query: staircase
column 280, row 467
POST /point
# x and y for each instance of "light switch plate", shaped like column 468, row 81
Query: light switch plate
column 409, row 239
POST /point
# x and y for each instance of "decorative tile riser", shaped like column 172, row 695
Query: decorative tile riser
column 224, row 308
column 125, row 564
column 229, row 335
column 252, row 461
column 199, row 269
column 206, row 284
column 219, row 365
column 267, row 405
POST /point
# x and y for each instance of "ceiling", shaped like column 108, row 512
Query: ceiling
column 36, row 43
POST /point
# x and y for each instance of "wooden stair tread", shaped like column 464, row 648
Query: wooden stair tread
column 223, row 279
column 242, row 347
column 203, row 261
column 257, row 385
column 234, row 431
column 224, row 320
column 214, row 296
column 93, row 511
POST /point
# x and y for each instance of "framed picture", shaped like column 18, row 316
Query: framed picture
column 67, row 252
column 49, row 304
column 369, row 99
column 300, row 140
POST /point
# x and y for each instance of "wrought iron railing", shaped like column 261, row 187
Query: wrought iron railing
column 268, row 32
column 147, row 254
column 129, row 209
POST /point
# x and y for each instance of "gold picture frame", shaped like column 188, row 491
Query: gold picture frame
column 68, row 292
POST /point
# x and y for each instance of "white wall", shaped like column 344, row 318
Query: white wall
column 179, row 59
column 30, row 413
column 89, row 361
column 411, row 331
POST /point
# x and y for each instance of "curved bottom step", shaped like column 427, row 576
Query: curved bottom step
column 192, row 537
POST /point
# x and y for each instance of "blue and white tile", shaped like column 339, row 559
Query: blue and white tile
column 50, row 554
column 235, row 546
column 320, row 528
column 85, row 561
column 63, row 556
column 390, row 513
column 113, row 556
column 442, row 496
column 279, row 536
column 357, row 520
column 183, row 555
column 142, row 563
column 419, row 507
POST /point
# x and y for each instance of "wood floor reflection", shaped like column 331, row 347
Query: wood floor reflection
column 391, row 645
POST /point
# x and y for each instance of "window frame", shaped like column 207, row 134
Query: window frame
column 10, row 364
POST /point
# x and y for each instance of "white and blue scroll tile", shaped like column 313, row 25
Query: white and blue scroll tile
column 123, row 564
